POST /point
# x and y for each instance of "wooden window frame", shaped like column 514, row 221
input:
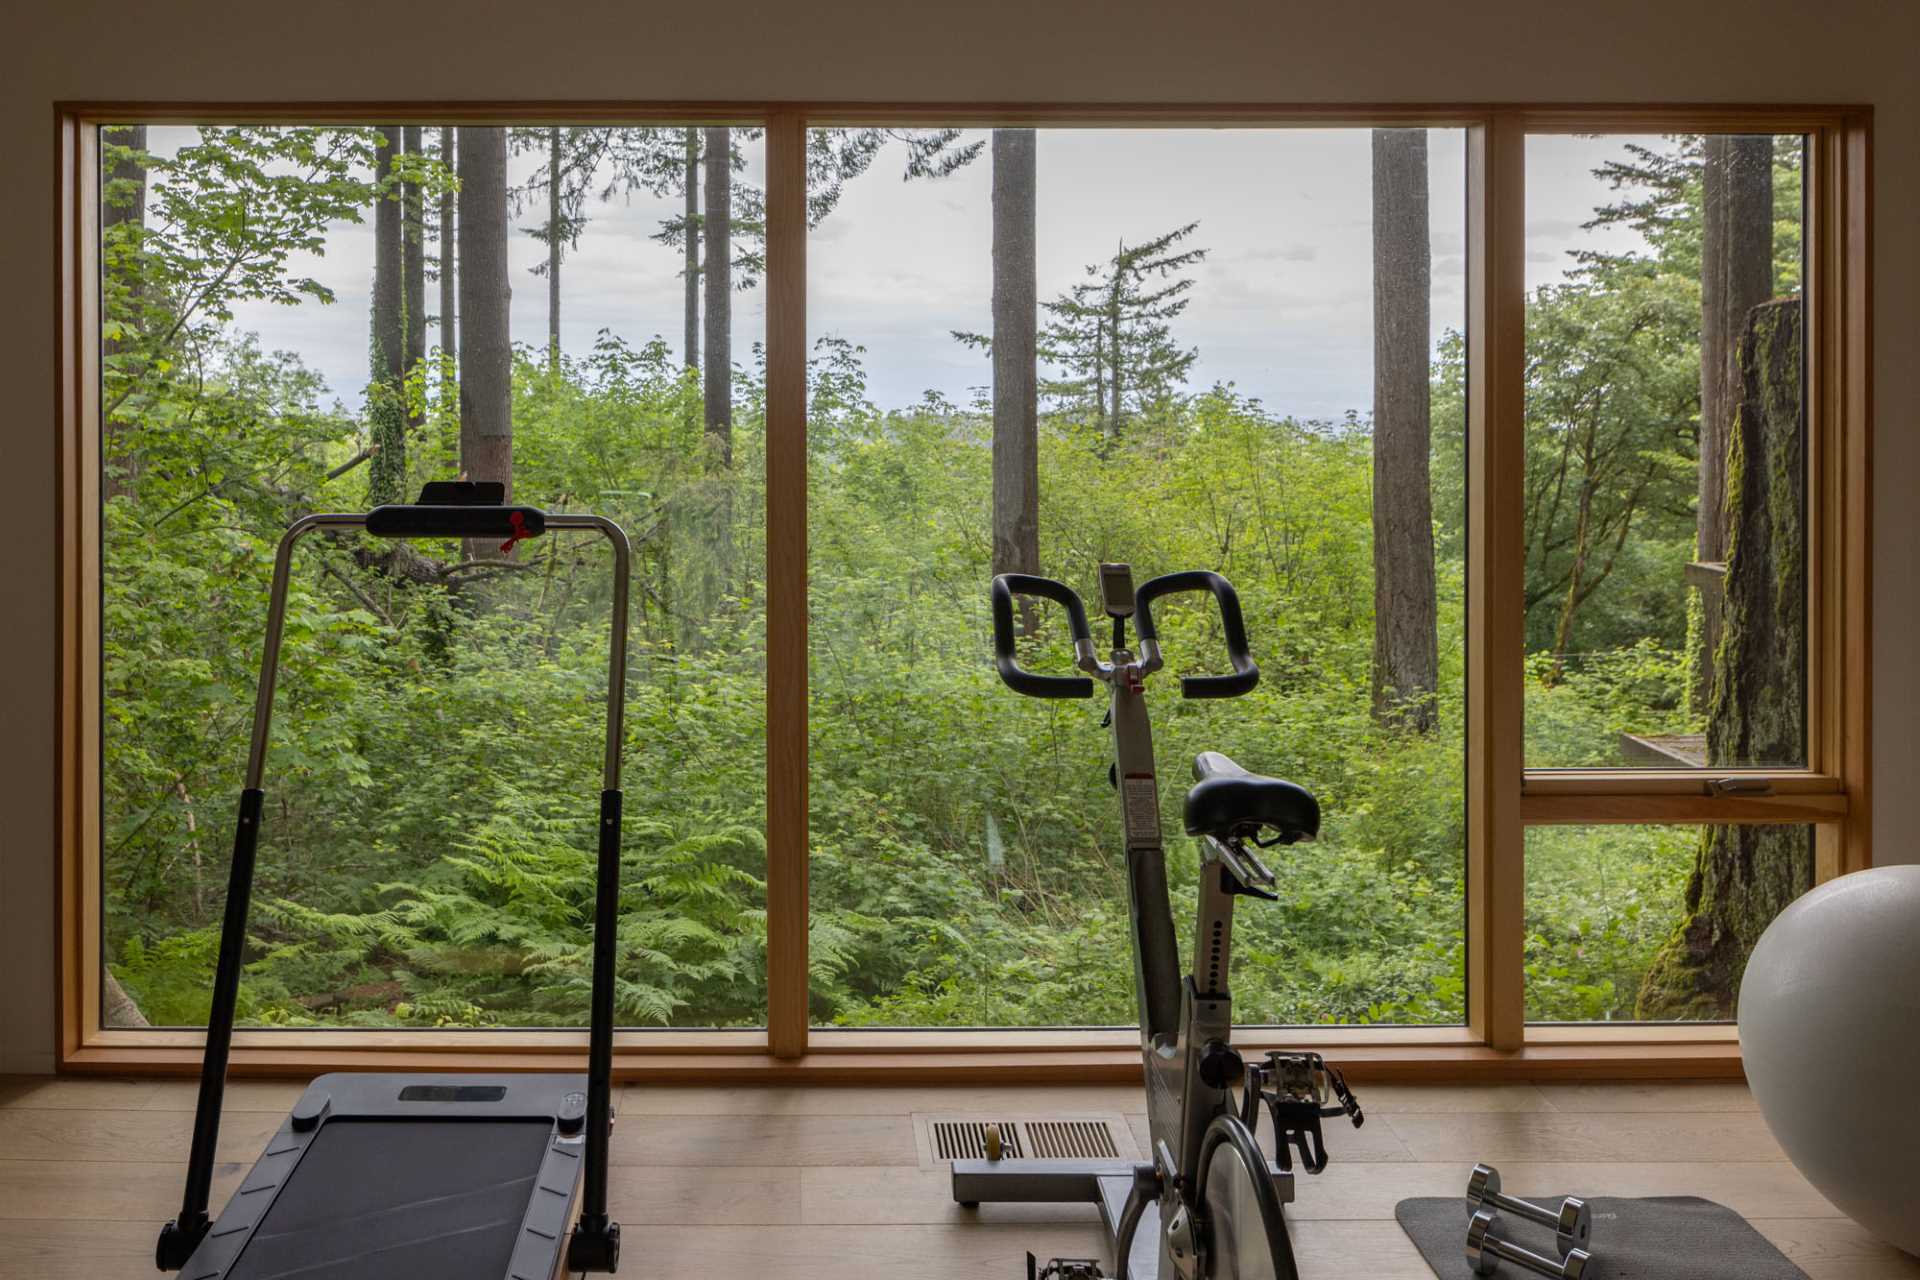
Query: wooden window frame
column 1503, row 797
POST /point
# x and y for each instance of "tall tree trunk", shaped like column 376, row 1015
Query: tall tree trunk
column 386, row 393
column 691, row 272
column 447, row 272
column 123, row 205
column 1099, row 375
column 1406, row 645
column 414, row 251
column 1736, row 275
column 1744, row 876
column 1016, row 316
column 486, row 350
column 554, row 236
column 718, row 225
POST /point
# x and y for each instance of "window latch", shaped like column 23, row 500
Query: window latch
column 1739, row 787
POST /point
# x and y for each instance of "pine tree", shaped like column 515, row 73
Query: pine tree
column 448, row 270
column 690, row 240
column 413, row 251
column 1113, row 337
column 123, row 220
column 386, row 390
column 1016, row 428
column 717, row 274
column 1406, row 644
column 486, row 346
column 573, row 158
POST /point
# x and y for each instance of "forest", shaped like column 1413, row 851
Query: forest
column 431, row 784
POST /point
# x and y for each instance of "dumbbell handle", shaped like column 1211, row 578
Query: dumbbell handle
column 1572, row 1223
column 1482, row 1246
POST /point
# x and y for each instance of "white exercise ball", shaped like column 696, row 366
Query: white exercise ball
column 1830, row 1035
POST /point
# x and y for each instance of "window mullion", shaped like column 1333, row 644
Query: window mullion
column 1496, row 362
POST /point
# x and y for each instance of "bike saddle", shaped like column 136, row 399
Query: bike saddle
column 1229, row 803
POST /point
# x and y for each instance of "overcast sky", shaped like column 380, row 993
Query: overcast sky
column 1282, row 306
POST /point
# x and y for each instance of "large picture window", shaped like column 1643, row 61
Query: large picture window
column 1532, row 440
column 428, row 854
column 1224, row 368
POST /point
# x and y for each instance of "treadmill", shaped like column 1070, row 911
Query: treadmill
column 416, row 1177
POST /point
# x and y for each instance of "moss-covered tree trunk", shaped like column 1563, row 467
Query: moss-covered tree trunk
column 1736, row 275
column 1745, row 875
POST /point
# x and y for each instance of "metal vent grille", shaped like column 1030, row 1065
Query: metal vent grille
column 1070, row 1140
column 943, row 1139
column 967, row 1140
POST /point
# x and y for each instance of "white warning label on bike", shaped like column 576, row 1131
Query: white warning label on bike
column 1142, row 799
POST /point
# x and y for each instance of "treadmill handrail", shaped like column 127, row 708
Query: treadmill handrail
column 179, row 1238
column 277, row 612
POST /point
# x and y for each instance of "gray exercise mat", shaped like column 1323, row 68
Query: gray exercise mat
column 1655, row 1238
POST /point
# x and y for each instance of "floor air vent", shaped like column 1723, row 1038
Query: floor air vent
column 967, row 1140
column 944, row 1139
column 1070, row 1140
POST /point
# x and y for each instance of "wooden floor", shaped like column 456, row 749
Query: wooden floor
column 824, row 1182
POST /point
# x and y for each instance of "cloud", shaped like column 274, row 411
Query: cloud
column 1551, row 229
column 1279, row 253
column 1449, row 243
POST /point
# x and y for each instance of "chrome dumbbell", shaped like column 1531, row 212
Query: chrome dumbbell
column 1572, row 1224
column 1486, row 1251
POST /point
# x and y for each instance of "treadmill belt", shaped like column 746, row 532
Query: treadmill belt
column 401, row 1200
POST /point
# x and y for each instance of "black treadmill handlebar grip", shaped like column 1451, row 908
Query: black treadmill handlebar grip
column 606, row 923
column 1246, row 673
column 401, row 520
column 1016, row 677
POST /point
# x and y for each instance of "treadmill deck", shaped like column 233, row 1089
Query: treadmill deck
column 406, row 1177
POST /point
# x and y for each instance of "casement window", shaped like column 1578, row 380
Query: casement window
column 1535, row 441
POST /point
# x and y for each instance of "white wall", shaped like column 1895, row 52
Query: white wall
column 1851, row 51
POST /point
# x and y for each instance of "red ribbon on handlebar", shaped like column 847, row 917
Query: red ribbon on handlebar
column 519, row 523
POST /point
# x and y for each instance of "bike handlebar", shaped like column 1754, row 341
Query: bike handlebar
column 1246, row 674
column 1018, row 678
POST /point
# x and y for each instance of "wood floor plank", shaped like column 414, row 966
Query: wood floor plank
column 42, row 1092
column 103, row 1190
column 817, row 1100
column 736, row 1195
column 1699, row 1095
column 1352, row 1250
column 1390, row 1099
column 1502, row 1138
column 69, row 1133
column 763, row 1140
column 836, row 1253
column 240, row 1095
column 863, row 1196
column 67, row 1249
column 1837, row 1249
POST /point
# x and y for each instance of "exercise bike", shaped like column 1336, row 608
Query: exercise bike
column 1207, row 1203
